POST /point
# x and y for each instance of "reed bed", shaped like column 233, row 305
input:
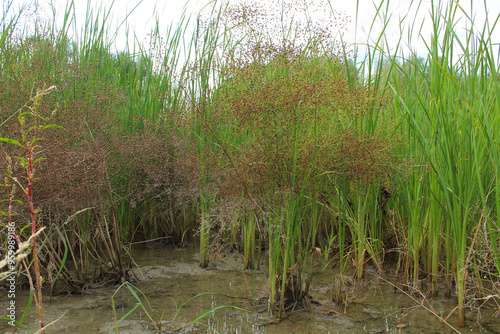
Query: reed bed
column 280, row 139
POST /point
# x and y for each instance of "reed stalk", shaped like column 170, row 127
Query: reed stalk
column 434, row 215
column 450, row 140
column 204, row 232
column 249, row 230
column 275, row 245
column 417, row 224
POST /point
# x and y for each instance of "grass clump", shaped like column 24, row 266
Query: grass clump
column 286, row 126
column 265, row 130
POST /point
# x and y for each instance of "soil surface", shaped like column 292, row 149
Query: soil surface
column 175, row 291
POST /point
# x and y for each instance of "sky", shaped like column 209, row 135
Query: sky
column 141, row 20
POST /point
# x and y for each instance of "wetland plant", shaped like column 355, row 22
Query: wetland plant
column 156, row 320
column 286, row 126
column 31, row 127
column 444, row 103
column 309, row 137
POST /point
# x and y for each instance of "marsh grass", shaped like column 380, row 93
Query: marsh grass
column 283, row 126
column 452, row 85
column 156, row 319
column 287, row 135
column 249, row 234
column 93, row 164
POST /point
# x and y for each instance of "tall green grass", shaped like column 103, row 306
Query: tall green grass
column 301, row 142
column 110, row 106
column 443, row 101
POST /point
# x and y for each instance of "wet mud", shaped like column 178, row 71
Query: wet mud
column 175, row 291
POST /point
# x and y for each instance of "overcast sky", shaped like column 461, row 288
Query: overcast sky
column 142, row 19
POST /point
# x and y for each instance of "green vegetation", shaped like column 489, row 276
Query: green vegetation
column 157, row 320
column 279, row 139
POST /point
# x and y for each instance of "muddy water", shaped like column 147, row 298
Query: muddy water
column 170, row 277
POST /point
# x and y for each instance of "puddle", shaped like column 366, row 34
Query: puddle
column 170, row 277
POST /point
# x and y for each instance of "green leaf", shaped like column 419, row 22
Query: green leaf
column 35, row 140
column 65, row 254
column 37, row 160
column 209, row 312
column 52, row 126
column 17, row 323
column 127, row 314
column 5, row 33
column 20, row 118
column 23, row 228
column 11, row 141
column 28, row 307
column 133, row 292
